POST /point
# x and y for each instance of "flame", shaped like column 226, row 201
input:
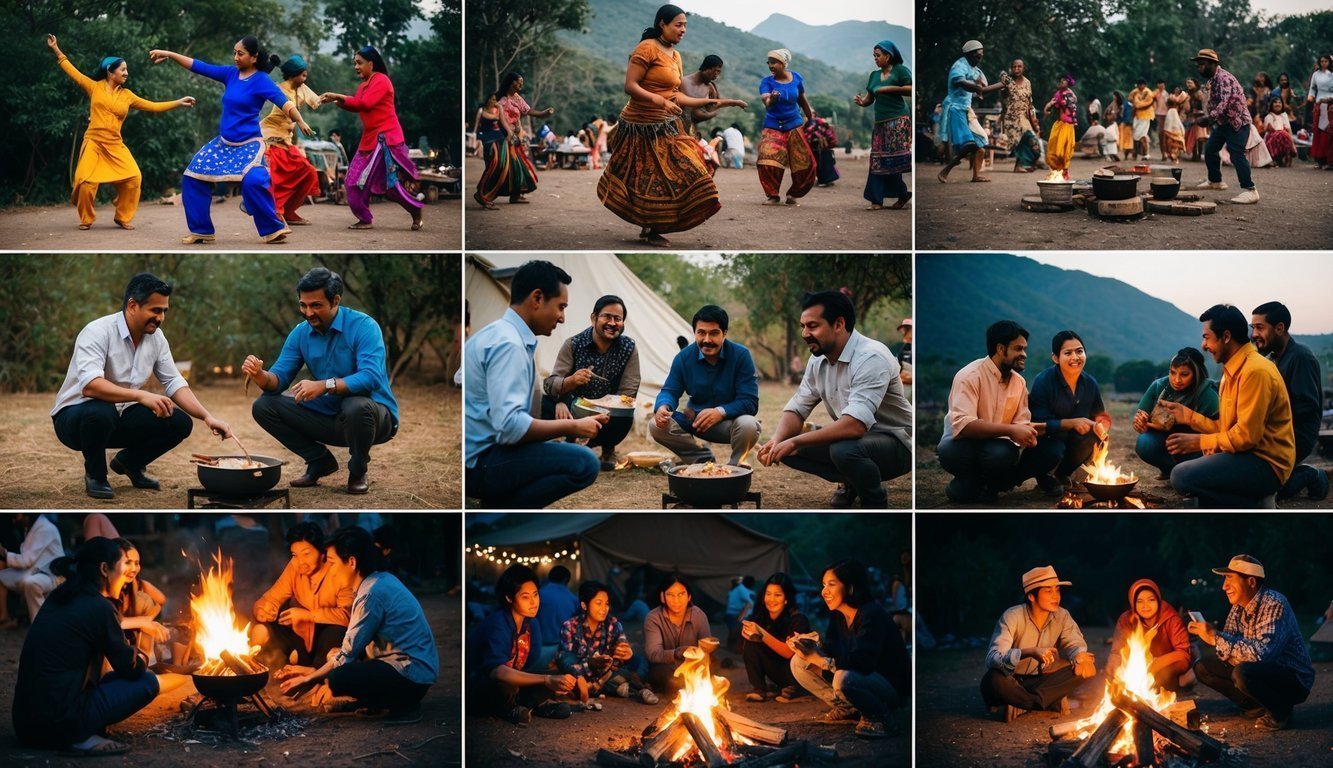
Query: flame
column 1055, row 175
column 1103, row 472
column 1132, row 676
column 700, row 695
column 214, row 619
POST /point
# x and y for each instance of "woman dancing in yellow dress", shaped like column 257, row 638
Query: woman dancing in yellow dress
column 104, row 158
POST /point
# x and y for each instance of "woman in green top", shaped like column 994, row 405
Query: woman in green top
column 889, row 89
column 1187, row 383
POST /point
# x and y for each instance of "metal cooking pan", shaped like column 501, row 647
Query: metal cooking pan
column 242, row 482
column 1109, row 492
column 229, row 687
column 710, row 491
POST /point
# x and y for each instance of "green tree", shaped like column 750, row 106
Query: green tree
column 1101, row 368
column 381, row 23
column 504, row 35
column 1136, row 375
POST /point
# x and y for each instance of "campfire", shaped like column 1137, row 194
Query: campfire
column 1136, row 724
column 1107, row 484
column 225, row 649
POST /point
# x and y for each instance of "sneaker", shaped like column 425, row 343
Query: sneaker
column 1270, row 723
column 622, row 690
column 1319, row 485
column 1050, row 485
column 520, row 715
column 648, row 697
column 839, row 715
column 552, row 710
column 842, row 497
column 1205, row 184
column 1246, row 197
column 871, row 729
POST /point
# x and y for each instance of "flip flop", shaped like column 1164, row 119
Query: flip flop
column 193, row 239
column 109, row 747
column 85, row 226
column 361, row 225
column 123, row 224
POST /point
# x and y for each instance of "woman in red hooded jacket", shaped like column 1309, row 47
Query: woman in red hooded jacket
column 1168, row 642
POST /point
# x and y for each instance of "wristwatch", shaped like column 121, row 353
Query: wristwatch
column 330, row 385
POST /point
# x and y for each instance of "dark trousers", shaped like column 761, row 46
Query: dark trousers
column 115, row 698
column 996, row 463
column 1064, row 452
column 1253, row 684
column 283, row 640
column 763, row 663
column 531, row 475
column 359, row 424
column 1224, row 134
column 1226, row 480
column 1028, row 691
column 94, row 426
column 863, row 464
column 613, row 433
column 1151, row 447
column 376, row 685
column 488, row 696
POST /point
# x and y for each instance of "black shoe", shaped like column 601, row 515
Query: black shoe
column 552, row 710
column 98, row 489
column 1050, row 485
column 842, row 497
column 313, row 472
column 137, row 478
column 358, row 484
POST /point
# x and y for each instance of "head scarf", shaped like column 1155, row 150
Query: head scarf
column 781, row 54
column 889, row 48
column 109, row 63
column 293, row 66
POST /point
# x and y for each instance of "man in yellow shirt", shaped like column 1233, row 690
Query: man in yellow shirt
column 1143, row 100
column 1250, row 449
column 307, row 609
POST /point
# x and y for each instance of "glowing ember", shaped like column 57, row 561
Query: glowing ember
column 1132, row 676
column 701, row 695
column 1056, row 176
column 215, row 620
column 1102, row 472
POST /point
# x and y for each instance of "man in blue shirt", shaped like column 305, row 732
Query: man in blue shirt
column 513, row 460
column 724, row 394
column 347, row 402
column 558, row 606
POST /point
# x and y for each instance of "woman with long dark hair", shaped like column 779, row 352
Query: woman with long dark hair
column 294, row 177
column 381, row 159
column 237, row 152
column 509, row 171
column 1320, row 97
column 767, row 656
column 62, row 700
column 890, row 90
column 139, row 603
column 657, row 178
column 104, row 158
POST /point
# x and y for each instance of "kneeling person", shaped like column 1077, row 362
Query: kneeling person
column 307, row 608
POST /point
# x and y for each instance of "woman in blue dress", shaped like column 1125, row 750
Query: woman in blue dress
column 237, row 152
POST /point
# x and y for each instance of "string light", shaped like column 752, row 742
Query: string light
column 504, row 557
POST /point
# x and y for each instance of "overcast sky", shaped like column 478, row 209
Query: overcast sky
column 1196, row 281
column 1290, row 7
column 746, row 14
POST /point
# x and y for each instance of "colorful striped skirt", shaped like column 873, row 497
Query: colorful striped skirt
column 779, row 150
column 508, row 172
column 891, row 146
column 657, row 178
column 380, row 169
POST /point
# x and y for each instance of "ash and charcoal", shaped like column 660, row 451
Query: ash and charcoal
column 181, row 730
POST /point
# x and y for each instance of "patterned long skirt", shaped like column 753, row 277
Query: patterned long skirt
column 508, row 173
column 780, row 150
column 890, row 158
column 657, row 178
column 1280, row 146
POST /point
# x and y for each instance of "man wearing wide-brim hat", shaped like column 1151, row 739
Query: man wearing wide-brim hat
column 1037, row 653
column 1261, row 663
column 1229, row 117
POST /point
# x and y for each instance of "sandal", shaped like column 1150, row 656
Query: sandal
column 273, row 238
column 361, row 225
column 193, row 239
column 85, row 226
column 123, row 224
column 483, row 202
column 773, row 201
column 755, row 696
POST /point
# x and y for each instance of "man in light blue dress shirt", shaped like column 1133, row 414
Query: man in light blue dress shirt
column 513, row 460
column 347, row 402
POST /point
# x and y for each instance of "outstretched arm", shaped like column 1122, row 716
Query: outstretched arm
column 145, row 105
column 158, row 56
column 82, row 80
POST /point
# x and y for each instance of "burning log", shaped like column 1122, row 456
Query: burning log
column 1061, row 730
column 1197, row 744
column 757, row 732
column 238, row 664
column 702, row 741
column 664, row 744
column 1145, row 755
column 789, row 754
column 1090, row 754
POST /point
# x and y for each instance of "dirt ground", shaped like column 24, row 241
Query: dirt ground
column 566, row 214
column 955, row 731
column 782, row 487
column 160, row 227
column 998, row 222
column 419, row 468
column 574, row 742
column 327, row 740
column 931, row 479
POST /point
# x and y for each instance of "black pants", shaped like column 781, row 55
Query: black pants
column 283, row 640
column 613, row 433
column 1028, row 691
column 1064, row 452
column 377, row 685
column 488, row 696
column 1252, row 684
column 763, row 662
column 863, row 464
column 995, row 463
column 94, row 426
column 360, row 423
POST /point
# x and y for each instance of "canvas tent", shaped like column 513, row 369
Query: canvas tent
column 649, row 320
column 710, row 549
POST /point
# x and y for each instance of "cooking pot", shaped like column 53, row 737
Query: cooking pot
column 1056, row 192
column 242, row 482
column 1164, row 189
column 1121, row 186
column 229, row 687
column 710, row 491
column 1109, row 491
column 1167, row 172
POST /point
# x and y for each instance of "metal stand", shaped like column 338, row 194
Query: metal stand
column 750, row 497
column 213, row 500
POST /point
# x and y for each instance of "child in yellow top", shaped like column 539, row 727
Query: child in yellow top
column 104, row 158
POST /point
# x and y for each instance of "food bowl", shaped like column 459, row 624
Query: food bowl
column 1056, row 192
column 1109, row 491
column 1121, row 186
column 1166, row 172
column 610, row 405
column 250, row 481
column 1164, row 189
column 709, row 491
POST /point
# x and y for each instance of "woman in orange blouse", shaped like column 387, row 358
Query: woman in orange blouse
column 657, row 178
column 104, row 158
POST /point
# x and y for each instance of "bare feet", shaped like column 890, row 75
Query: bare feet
column 361, row 225
column 483, row 202
column 902, row 202
column 520, row 200
column 90, row 226
column 943, row 176
column 980, row 178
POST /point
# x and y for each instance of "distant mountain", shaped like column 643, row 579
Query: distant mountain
column 846, row 45
column 959, row 295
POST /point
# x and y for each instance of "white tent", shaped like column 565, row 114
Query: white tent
column 649, row 320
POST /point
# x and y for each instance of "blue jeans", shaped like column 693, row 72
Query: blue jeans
column 872, row 695
column 115, row 698
column 1226, row 480
column 1151, row 447
column 531, row 475
column 1235, row 143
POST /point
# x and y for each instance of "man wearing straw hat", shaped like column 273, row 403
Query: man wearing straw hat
column 1229, row 118
column 1261, row 661
column 1037, row 653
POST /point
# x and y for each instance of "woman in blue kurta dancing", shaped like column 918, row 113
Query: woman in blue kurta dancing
column 237, row 153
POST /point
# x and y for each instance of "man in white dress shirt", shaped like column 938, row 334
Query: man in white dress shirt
column 102, row 404
column 859, row 382
column 27, row 570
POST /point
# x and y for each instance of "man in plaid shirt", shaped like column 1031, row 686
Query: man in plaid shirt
column 1262, row 663
column 1230, row 120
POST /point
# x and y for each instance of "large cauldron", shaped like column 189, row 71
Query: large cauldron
column 242, row 482
column 710, row 491
column 229, row 687
column 1109, row 491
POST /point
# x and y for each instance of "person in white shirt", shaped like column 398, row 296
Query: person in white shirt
column 102, row 403
column 28, row 570
column 734, row 155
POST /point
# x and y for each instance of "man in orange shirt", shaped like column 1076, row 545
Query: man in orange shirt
column 1250, row 449
column 307, row 608
column 1143, row 101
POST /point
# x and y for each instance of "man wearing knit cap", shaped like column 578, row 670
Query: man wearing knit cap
column 1229, row 117
column 965, row 79
column 1037, row 654
column 1261, row 663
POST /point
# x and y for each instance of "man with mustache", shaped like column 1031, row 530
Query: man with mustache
column 859, row 382
column 599, row 361
column 1261, row 661
column 719, row 376
column 347, row 402
column 989, row 428
column 1250, row 449
column 102, row 404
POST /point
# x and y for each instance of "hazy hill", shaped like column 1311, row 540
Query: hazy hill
column 846, row 45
